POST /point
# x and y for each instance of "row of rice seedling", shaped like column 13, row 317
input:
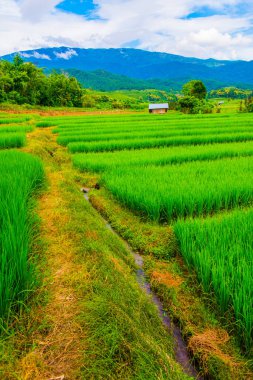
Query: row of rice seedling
column 132, row 118
column 22, row 175
column 12, row 140
column 150, row 124
column 173, row 155
column 45, row 124
column 65, row 140
column 190, row 189
column 113, row 145
column 16, row 128
column 220, row 250
column 12, row 133
column 13, row 120
column 107, row 129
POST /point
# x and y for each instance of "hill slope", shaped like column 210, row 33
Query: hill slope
column 140, row 64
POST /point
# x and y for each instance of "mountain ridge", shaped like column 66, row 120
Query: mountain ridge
column 140, row 64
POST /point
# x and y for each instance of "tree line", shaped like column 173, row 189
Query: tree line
column 24, row 83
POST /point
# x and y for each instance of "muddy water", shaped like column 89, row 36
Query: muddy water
column 181, row 353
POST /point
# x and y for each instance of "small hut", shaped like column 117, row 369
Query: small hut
column 158, row 108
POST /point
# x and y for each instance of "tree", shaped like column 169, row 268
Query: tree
column 195, row 88
column 22, row 82
column 188, row 104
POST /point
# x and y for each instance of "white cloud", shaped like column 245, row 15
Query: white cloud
column 35, row 54
column 158, row 25
column 67, row 54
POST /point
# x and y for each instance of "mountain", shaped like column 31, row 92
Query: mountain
column 142, row 65
column 102, row 80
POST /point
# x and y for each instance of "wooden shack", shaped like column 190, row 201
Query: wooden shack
column 158, row 108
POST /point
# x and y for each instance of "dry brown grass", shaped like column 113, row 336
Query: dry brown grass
column 82, row 112
column 166, row 278
column 211, row 343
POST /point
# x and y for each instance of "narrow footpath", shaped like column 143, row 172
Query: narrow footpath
column 59, row 352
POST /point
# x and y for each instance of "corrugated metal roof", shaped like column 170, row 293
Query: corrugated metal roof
column 158, row 106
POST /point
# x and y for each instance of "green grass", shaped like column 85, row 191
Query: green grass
column 45, row 124
column 12, row 140
column 12, row 119
column 15, row 128
column 220, row 250
column 99, row 162
column 189, row 189
column 113, row 145
column 78, row 137
column 150, row 125
column 21, row 176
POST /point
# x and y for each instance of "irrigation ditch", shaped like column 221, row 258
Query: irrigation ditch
column 182, row 355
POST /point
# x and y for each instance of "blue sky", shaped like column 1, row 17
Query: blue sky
column 79, row 7
column 221, row 29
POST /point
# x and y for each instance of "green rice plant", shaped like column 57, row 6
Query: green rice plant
column 142, row 118
column 113, row 145
column 22, row 175
column 65, row 140
column 45, row 124
column 108, row 160
column 15, row 128
column 220, row 250
column 12, row 140
column 130, row 127
column 190, row 189
column 13, row 120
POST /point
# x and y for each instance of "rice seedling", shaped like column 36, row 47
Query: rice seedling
column 220, row 250
column 189, row 189
column 99, row 162
column 109, row 128
column 22, row 176
column 15, row 128
column 12, row 140
column 112, row 145
column 45, row 124
column 12, row 120
column 76, row 137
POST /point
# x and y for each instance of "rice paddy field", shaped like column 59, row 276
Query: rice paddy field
column 13, row 131
column 194, row 173
column 22, row 175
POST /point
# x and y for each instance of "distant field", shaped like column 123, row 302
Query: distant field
column 191, row 171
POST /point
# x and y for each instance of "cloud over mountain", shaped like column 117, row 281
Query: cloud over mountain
column 205, row 28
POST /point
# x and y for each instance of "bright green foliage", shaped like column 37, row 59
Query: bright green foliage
column 113, row 145
column 110, row 133
column 25, row 83
column 189, row 189
column 21, row 176
column 195, row 88
column 12, row 140
column 77, row 136
column 220, row 249
column 44, row 124
column 230, row 93
column 13, row 120
column 15, row 128
column 106, row 161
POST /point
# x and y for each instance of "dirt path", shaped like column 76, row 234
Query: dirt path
column 60, row 345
